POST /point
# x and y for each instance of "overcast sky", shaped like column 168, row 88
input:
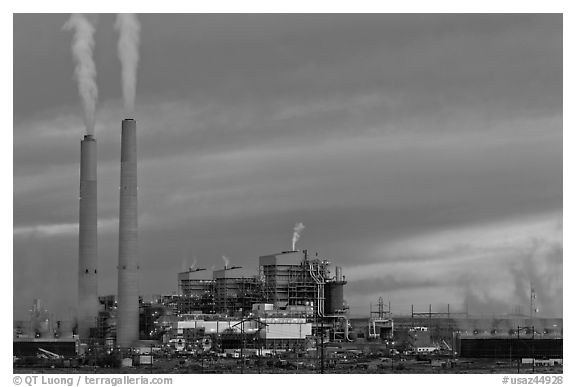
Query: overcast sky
column 423, row 153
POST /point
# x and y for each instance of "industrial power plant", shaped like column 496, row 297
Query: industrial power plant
column 288, row 314
column 285, row 313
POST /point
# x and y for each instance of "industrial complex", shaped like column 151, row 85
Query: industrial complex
column 285, row 313
column 289, row 313
column 290, row 305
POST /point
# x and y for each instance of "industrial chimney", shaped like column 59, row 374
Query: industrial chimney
column 88, row 239
column 127, row 329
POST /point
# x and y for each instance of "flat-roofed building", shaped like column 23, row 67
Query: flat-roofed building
column 196, row 288
column 236, row 290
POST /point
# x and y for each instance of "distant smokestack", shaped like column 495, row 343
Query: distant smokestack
column 226, row 261
column 338, row 273
column 88, row 239
column 128, row 319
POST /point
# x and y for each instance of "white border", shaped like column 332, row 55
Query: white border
column 302, row 6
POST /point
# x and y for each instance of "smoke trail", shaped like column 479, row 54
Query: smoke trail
column 296, row 235
column 226, row 261
column 194, row 263
column 129, row 29
column 538, row 271
column 85, row 71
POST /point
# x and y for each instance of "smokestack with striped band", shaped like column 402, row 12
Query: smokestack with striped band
column 128, row 268
column 88, row 239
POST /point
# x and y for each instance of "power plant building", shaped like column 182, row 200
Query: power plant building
column 266, row 332
column 291, row 278
column 288, row 281
column 196, row 288
column 278, row 272
column 229, row 291
column 282, row 328
column 510, row 347
column 235, row 290
column 195, row 283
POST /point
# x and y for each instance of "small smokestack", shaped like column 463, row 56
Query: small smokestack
column 296, row 235
column 128, row 318
column 87, row 239
column 226, row 261
column 194, row 263
column 338, row 274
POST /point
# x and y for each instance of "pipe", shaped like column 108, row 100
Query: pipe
column 321, row 287
column 318, row 278
column 320, row 307
column 345, row 325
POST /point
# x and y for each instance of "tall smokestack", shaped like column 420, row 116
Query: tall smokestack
column 127, row 325
column 88, row 239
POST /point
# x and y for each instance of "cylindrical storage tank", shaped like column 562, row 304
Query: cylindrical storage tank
column 334, row 293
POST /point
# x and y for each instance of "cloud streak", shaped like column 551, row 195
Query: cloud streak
column 489, row 267
column 61, row 229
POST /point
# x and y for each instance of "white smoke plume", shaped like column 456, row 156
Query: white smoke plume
column 194, row 263
column 539, row 272
column 296, row 235
column 128, row 27
column 85, row 71
column 226, row 261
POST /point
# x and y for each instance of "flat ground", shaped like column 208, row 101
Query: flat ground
column 357, row 366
